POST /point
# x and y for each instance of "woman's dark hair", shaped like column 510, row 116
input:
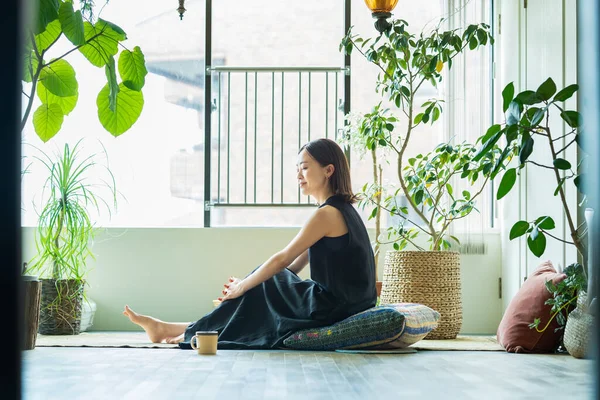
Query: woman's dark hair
column 325, row 152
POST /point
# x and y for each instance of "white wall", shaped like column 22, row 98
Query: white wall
column 535, row 43
column 173, row 274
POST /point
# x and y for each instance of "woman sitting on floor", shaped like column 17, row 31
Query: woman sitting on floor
column 272, row 302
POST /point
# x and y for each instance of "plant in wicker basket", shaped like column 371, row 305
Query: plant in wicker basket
column 528, row 117
column 64, row 236
column 408, row 62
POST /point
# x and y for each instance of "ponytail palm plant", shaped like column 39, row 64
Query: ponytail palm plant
column 65, row 229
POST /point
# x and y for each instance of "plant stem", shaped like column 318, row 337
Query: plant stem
column 578, row 244
column 377, row 179
column 555, row 314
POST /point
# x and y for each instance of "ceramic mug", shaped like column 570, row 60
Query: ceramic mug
column 205, row 342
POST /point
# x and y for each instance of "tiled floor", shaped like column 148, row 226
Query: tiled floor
column 92, row 373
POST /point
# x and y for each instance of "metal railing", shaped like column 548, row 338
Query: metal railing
column 260, row 117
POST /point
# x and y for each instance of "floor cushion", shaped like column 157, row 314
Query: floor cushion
column 528, row 304
column 419, row 320
column 372, row 327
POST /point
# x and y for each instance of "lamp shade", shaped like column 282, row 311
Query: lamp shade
column 381, row 6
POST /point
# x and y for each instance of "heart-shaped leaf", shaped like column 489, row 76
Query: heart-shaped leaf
column 67, row 104
column 47, row 120
column 59, row 78
column 127, row 109
column 132, row 68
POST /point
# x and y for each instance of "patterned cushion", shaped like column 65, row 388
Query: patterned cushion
column 419, row 320
column 375, row 326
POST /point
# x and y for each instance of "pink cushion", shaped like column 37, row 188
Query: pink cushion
column 514, row 333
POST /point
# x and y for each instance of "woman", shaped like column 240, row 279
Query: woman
column 272, row 302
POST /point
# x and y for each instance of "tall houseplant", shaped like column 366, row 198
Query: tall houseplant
column 64, row 235
column 54, row 79
column 527, row 125
column 407, row 62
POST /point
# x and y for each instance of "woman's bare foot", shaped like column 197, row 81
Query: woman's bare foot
column 155, row 328
column 177, row 339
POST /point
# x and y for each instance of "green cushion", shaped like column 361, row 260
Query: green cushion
column 372, row 327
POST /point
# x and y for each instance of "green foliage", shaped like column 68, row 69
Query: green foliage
column 65, row 230
column 55, row 80
column 527, row 123
column 407, row 61
column 564, row 295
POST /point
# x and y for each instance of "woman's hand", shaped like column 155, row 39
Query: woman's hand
column 233, row 289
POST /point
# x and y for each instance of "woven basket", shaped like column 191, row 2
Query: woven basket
column 578, row 331
column 431, row 278
column 60, row 308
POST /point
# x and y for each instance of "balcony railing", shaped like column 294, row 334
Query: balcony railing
column 261, row 116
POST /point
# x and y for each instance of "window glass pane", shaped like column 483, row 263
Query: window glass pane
column 420, row 16
column 158, row 163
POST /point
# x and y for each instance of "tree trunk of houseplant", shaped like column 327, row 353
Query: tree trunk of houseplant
column 431, row 278
column 60, row 311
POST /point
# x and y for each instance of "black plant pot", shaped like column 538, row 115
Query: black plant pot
column 60, row 308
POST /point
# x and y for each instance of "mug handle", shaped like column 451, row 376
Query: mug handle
column 192, row 342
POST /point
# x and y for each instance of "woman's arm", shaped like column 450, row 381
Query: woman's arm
column 299, row 263
column 318, row 225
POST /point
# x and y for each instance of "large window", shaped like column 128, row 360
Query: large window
column 277, row 81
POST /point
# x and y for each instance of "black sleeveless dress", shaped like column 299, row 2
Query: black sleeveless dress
column 343, row 283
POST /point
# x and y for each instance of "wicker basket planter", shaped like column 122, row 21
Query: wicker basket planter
column 60, row 308
column 578, row 331
column 431, row 278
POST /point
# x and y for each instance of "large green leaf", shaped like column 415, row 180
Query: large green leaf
column 507, row 182
column 59, row 78
column 518, row 229
column 72, row 23
column 507, row 95
column 127, row 110
column 102, row 43
column 47, row 12
column 566, row 93
column 45, row 39
column 526, row 149
column 67, row 104
column 571, row 118
column 47, row 120
column 30, row 65
column 546, row 89
column 537, row 245
column 113, row 85
column 132, row 68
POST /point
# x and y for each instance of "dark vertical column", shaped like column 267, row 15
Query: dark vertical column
column 207, row 111
column 10, row 212
column 588, row 59
column 347, row 23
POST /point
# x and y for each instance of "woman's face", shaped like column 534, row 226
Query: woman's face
column 312, row 177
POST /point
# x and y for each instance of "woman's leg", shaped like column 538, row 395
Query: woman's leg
column 158, row 331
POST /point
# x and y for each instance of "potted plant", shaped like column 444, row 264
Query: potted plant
column 407, row 62
column 64, row 236
column 528, row 118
